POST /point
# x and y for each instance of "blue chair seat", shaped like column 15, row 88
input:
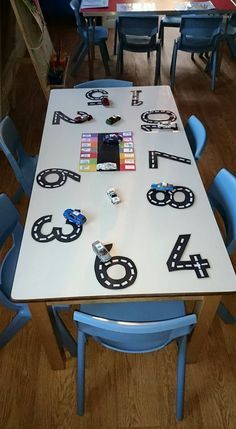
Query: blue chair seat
column 99, row 33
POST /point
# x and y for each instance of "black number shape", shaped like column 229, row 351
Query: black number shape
column 153, row 158
column 105, row 280
column 146, row 116
column 91, row 94
column 60, row 116
column 195, row 262
column 169, row 197
column 56, row 233
column 135, row 97
column 62, row 175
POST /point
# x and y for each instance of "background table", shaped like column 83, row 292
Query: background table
column 164, row 7
column 138, row 230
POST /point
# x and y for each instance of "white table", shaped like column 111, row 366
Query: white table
column 138, row 230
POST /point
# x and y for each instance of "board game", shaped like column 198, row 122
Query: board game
column 98, row 153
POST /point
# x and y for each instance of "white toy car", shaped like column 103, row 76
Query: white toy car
column 113, row 196
column 101, row 251
column 107, row 166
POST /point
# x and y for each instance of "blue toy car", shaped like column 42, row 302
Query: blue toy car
column 74, row 216
column 112, row 139
column 162, row 186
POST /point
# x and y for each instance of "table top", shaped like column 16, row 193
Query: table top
column 138, row 230
column 158, row 6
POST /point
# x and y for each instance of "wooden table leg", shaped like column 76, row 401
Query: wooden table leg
column 205, row 309
column 41, row 320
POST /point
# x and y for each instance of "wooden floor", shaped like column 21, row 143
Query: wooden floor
column 126, row 391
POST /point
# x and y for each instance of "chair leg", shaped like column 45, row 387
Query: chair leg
column 214, row 65
column 17, row 195
column 65, row 337
column 225, row 314
column 158, row 66
column 115, row 39
column 173, row 65
column 20, row 319
column 119, row 61
column 182, row 344
column 81, row 372
column 78, row 52
column 161, row 33
column 82, row 56
column 105, row 57
column 231, row 42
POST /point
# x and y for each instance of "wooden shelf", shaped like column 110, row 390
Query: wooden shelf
column 38, row 43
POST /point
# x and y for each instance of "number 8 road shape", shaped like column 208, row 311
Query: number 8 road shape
column 169, row 196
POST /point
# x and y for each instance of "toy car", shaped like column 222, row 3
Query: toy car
column 113, row 196
column 101, row 251
column 83, row 118
column 162, row 186
column 112, row 139
column 113, row 119
column 105, row 101
column 74, row 216
column 107, row 166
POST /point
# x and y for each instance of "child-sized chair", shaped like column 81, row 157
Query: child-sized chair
column 10, row 227
column 137, row 327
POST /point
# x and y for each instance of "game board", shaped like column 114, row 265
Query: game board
column 94, row 151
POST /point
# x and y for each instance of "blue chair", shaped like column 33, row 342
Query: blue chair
column 198, row 34
column 148, row 326
column 96, row 35
column 10, row 227
column 23, row 165
column 173, row 21
column 197, row 136
column 138, row 34
column 222, row 196
column 231, row 35
column 130, row 14
column 104, row 83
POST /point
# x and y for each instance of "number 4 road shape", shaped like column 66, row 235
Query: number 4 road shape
column 195, row 262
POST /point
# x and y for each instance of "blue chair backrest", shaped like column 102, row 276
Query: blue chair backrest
column 197, row 136
column 9, row 226
column 138, row 30
column 133, row 337
column 104, row 83
column 222, row 195
column 75, row 6
column 200, row 31
column 10, row 144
